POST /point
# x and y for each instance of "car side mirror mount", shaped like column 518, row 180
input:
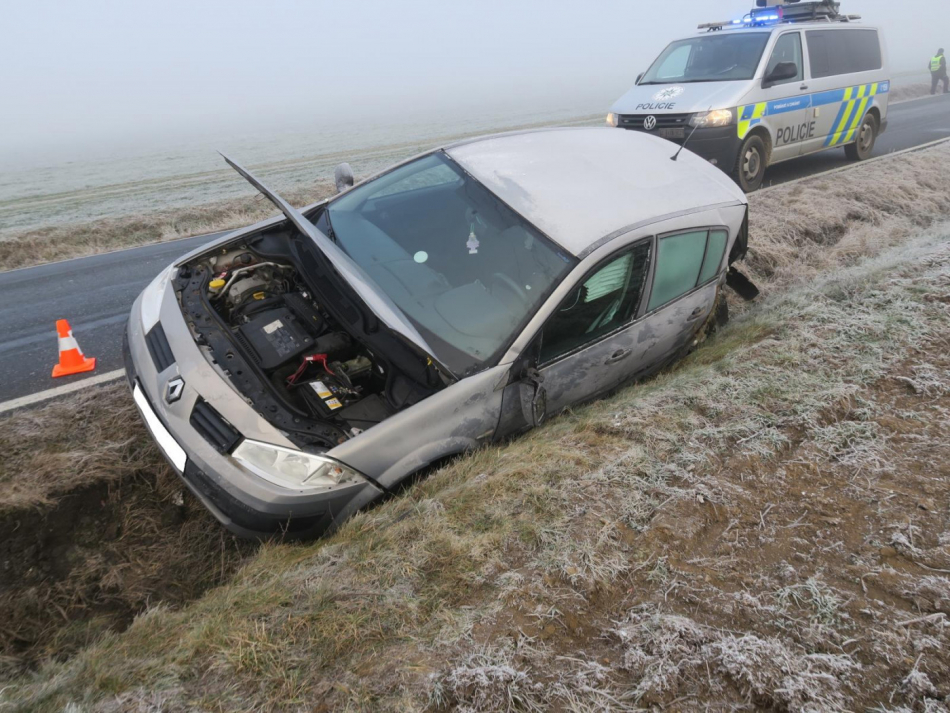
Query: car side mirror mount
column 782, row 72
column 343, row 177
column 639, row 77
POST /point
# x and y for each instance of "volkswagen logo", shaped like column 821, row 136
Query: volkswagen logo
column 174, row 389
column 649, row 123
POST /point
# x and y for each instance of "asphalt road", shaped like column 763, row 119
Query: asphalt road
column 95, row 293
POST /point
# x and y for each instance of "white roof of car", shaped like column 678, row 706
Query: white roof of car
column 579, row 185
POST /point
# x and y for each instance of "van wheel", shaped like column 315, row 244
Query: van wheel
column 862, row 148
column 750, row 166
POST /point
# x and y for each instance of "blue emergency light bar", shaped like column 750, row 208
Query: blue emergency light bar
column 766, row 16
column 790, row 11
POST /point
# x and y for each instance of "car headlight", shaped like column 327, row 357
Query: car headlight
column 293, row 469
column 613, row 119
column 709, row 119
column 152, row 298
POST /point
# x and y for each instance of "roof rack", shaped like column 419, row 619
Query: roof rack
column 774, row 12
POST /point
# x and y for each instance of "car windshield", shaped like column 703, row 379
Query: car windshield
column 465, row 269
column 718, row 57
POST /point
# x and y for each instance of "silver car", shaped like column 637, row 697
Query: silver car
column 299, row 369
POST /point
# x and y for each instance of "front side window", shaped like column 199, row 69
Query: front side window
column 684, row 261
column 466, row 270
column 606, row 301
column 788, row 49
column 711, row 58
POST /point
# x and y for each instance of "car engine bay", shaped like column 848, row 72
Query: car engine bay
column 261, row 323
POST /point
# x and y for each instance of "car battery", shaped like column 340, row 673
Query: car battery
column 326, row 396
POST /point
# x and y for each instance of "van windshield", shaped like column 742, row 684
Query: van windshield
column 712, row 58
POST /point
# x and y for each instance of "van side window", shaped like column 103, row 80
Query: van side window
column 835, row 52
column 607, row 300
column 788, row 49
column 684, row 261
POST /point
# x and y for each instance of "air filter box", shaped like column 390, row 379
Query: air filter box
column 275, row 337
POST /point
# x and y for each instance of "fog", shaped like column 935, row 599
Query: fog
column 107, row 74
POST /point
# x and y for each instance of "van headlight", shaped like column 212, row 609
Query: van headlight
column 293, row 469
column 711, row 119
column 613, row 119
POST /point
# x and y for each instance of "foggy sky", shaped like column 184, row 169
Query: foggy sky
column 99, row 72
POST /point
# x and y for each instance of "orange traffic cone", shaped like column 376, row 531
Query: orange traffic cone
column 71, row 359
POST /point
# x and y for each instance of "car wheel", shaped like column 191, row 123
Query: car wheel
column 861, row 149
column 750, row 165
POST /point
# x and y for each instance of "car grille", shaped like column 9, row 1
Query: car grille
column 213, row 428
column 158, row 347
column 663, row 121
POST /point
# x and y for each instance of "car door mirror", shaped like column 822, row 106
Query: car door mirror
column 639, row 77
column 782, row 72
column 343, row 177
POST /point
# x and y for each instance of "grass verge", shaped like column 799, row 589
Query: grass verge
column 766, row 525
column 35, row 247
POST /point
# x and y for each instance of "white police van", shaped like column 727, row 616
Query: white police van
column 786, row 80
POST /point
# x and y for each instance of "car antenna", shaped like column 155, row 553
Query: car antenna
column 683, row 146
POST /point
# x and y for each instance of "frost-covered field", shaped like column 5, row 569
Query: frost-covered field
column 765, row 527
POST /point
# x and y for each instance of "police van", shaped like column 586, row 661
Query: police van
column 786, row 80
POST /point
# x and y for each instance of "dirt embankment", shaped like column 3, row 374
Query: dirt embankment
column 766, row 526
column 94, row 528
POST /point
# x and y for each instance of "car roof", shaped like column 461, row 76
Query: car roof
column 580, row 185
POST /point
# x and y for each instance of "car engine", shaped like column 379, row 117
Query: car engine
column 261, row 325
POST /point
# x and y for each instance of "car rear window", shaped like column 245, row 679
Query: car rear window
column 835, row 52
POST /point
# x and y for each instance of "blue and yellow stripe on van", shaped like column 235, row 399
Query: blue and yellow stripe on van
column 854, row 105
column 855, row 101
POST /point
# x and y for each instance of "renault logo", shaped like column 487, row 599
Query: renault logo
column 174, row 389
column 649, row 123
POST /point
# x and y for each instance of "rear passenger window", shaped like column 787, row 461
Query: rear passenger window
column 684, row 261
column 715, row 248
column 835, row 52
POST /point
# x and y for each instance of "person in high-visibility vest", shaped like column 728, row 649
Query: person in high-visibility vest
column 938, row 73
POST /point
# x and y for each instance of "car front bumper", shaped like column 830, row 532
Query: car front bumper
column 719, row 145
column 243, row 502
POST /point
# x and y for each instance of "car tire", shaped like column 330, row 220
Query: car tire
column 863, row 146
column 750, row 164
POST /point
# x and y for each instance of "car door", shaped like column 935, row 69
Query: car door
column 787, row 100
column 684, row 289
column 591, row 342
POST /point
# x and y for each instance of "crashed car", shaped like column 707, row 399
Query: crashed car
column 302, row 368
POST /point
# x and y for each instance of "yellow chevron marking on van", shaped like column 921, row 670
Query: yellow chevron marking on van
column 858, row 117
column 745, row 125
column 840, row 128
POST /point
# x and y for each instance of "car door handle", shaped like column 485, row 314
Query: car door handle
column 697, row 313
column 803, row 87
column 619, row 355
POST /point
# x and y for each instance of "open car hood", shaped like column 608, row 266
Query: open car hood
column 376, row 300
